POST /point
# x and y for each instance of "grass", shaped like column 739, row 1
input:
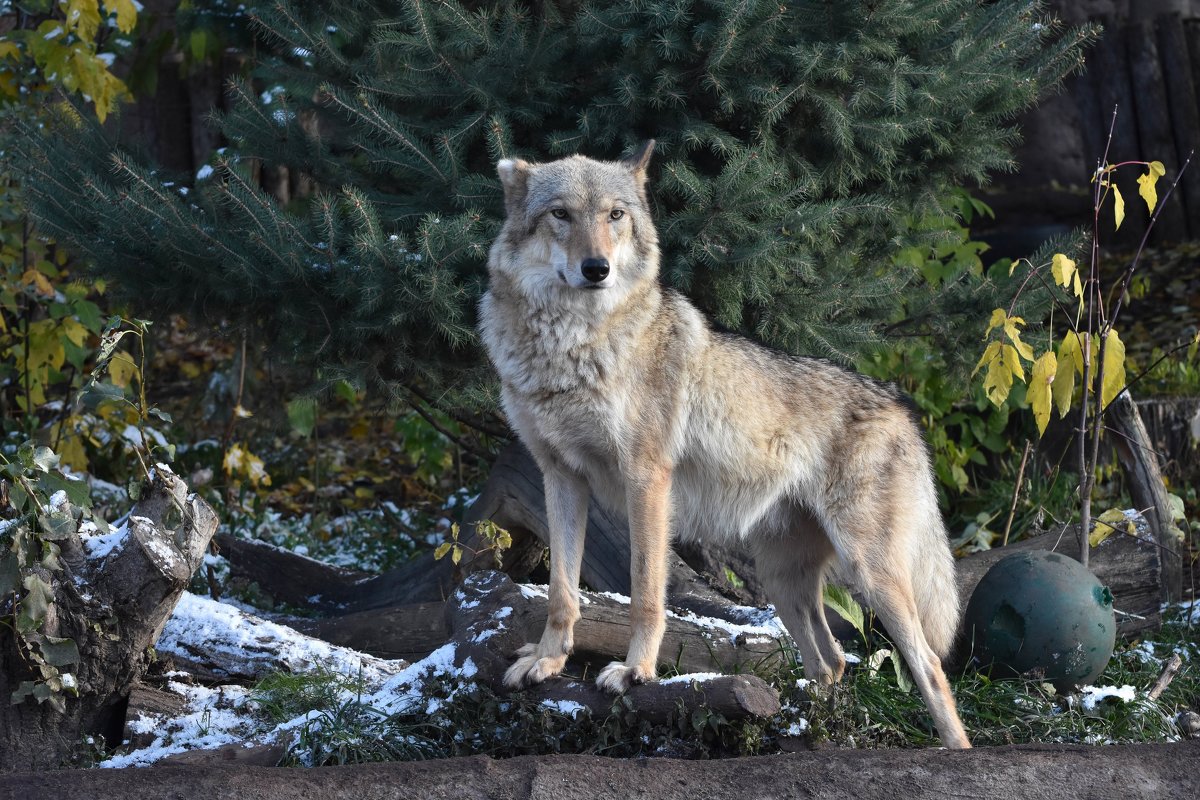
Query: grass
column 868, row 709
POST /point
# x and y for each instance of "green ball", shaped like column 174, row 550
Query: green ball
column 1044, row 613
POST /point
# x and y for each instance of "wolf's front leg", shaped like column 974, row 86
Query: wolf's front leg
column 566, row 512
column 649, row 534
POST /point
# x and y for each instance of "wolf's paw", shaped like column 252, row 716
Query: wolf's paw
column 617, row 677
column 531, row 668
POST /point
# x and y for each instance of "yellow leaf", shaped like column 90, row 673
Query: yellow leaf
column 441, row 551
column 9, row 50
column 1108, row 523
column 1157, row 168
column 1065, row 273
column 1064, row 375
column 83, row 18
column 1146, row 188
column 1013, row 333
column 456, row 553
column 35, row 278
column 122, row 370
column 1012, row 361
column 1114, row 369
column 1044, row 371
column 235, row 457
column 992, row 351
column 997, row 320
column 126, row 11
column 74, row 330
column 998, row 381
column 1118, row 206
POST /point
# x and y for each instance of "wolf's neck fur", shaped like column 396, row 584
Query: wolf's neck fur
column 564, row 340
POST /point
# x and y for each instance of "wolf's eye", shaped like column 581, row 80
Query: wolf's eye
column 560, row 213
column 616, row 213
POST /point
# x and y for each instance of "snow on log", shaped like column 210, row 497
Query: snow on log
column 217, row 640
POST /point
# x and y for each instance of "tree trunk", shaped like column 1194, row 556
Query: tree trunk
column 114, row 607
column 1139, row 460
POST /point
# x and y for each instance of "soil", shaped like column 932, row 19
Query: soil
column 1025, row 772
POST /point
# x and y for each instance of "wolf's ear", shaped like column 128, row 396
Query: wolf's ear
column 640, row 160
column 514, row 177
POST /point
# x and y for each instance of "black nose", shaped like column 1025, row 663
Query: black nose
column 595, row 269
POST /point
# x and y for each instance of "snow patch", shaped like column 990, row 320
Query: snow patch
column 566, row 707
column 698, row 677
column 1093, row 696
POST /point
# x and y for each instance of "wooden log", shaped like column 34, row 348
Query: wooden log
column 1140, row 463
column 1154, row 127
column 287, row 577
column 733, row 696
column 408, row 632
column 219, row 643
column 1128, row 565
column 491, row 618
column 1183, row 102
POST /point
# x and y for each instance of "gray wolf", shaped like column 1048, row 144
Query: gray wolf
column 622, row 390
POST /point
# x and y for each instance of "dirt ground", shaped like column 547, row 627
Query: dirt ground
column 1025, row 772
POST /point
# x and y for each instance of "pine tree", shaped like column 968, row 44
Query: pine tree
column 800, row 147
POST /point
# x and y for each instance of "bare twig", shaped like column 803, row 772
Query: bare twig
column 1012, row 510
column 1170, row 670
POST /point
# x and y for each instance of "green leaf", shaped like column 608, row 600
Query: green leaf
column 10, row 574
column 35, row 604
column 302, row 415
column 57, row 525
column 160, row 414
column 841, row 601
column 44, row 459
column 59, row 652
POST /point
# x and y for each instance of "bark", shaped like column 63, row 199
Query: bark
column 1184, row 103
column 1154, row 127
column 1136, row 453
column 114, row 608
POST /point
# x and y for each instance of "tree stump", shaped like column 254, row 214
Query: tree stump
column 114, row 606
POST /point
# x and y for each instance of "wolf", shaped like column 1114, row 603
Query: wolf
column 622, row 390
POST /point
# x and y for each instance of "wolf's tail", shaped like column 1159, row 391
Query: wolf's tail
column 934, row 585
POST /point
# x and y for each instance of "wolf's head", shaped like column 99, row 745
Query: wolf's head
column 577, row 225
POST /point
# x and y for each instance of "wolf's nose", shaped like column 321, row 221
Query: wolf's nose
column 595, row 269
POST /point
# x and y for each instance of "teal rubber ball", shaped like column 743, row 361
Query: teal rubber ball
column 1044, row 615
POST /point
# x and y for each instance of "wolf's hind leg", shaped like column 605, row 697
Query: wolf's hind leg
column 892, row 599
column 792, row 567
column 566, row 511
column 874, row 547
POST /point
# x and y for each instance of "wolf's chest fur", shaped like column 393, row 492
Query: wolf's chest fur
column 566, row 377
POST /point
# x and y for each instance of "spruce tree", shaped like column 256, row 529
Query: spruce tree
column 800, row 145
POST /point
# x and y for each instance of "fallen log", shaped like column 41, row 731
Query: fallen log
column 732, row 696
column 408, row 632
column 218, row 643
column 491, row 618
column 284, row 576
